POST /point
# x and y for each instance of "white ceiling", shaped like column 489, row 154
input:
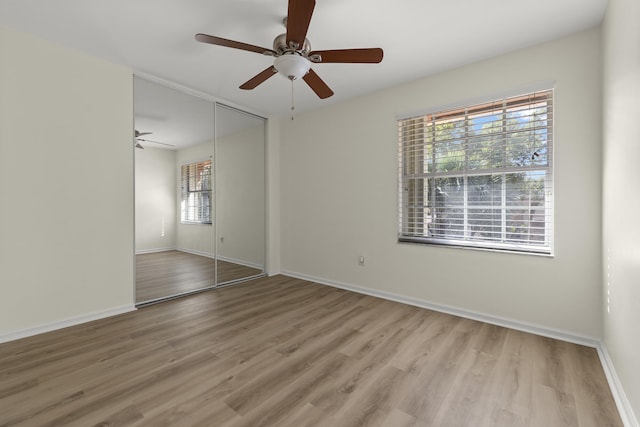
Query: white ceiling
column 419, row 38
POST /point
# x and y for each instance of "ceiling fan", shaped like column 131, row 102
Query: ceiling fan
column 137, row 139
column 293, row 54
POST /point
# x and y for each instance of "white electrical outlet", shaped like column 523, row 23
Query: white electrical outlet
column 361, row 260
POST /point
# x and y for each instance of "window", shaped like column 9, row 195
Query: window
column 195, row 186
column 479, row 176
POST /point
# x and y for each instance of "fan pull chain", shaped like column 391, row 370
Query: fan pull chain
column 292, row 106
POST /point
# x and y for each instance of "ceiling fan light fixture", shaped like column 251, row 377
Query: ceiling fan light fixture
column 293, row 54
column 292, row 66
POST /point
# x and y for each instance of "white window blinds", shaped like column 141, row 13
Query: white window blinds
column 195, row 187
column 479, row 176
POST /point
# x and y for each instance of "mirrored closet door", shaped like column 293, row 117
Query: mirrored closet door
column 239, row 195
column 180, row 194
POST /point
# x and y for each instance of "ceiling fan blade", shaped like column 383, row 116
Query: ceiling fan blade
column 205, row 38
column 319, row 87
column 298, row 20
column 154, row 142
column 260, row 78
column 353, row 56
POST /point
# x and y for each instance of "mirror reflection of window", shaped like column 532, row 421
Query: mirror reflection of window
column 195, row 186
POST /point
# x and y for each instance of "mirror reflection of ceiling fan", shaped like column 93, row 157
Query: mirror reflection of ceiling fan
column 137, row 140
column 293, row 54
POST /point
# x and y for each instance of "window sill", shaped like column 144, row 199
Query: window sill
column 427, row 242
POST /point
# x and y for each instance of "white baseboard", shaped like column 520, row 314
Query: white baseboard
column 622, row 403
column 194, row 252
column 72, row 321
column 468, row 314
column 223, row 258
column 241, row 262
column 154, row 250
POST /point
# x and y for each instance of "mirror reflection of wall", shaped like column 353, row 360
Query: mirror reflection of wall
column 155, row 200
column 199, row 172
column 174, row 254
column 240, row 194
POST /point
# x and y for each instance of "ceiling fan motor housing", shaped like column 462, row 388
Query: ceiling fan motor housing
column 280, row 46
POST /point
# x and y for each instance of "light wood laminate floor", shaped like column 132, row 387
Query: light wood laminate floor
column 285, row 352
column 162, row 274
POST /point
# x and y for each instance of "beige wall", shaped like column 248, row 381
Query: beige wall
column 155, row 199
column 66, row 184
column 621, row 246
column 338, row 172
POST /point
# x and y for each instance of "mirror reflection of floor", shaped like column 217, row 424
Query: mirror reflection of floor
column 163, row 274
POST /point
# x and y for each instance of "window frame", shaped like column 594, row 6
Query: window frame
column 419, row 227
column 197, row 194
